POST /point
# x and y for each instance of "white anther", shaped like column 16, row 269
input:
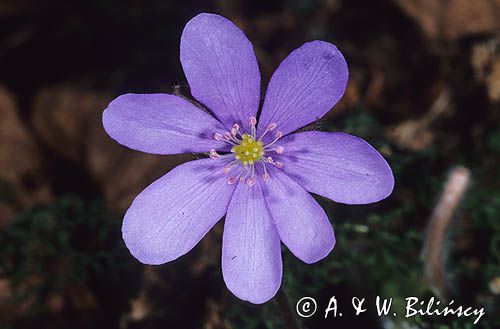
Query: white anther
column 253, row 122
column 250, row 181
column 235, row 130
column 272, row 126
column 280, row 149
column 218, row 137
column 278, row 135
column 213, row 154
column 228, row 136
column 231, row 180
column 266, row 175
column 274, row 163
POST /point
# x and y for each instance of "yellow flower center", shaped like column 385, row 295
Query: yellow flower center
column 249, row 150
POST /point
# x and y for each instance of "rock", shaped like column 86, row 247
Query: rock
column 485, row 61
column 416, row 134
column 122, row 172
column 453, row 19
column 68, row 121
column 61, row 117
column 22, row 181
column 493, row 81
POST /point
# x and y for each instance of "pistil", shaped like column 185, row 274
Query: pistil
column 247, row 150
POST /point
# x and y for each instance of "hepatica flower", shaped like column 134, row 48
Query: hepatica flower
column 258, row 171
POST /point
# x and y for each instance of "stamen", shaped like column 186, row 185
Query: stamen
column 246, row 151
column 253, row 122
column 272, row 126
column 228, row 137
column 277, row 164
column 230, row 166
column 278, row 135
column 266, row 175
column 235, row 130
column 248, row 172
column 213, row 154
column 269, row 128
column 239, row 176
column 218, row 137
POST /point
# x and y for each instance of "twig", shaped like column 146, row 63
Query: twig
column 440, row 221
column 287, row 311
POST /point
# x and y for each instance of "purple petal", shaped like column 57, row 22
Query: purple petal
column 251, row 252
column 306, row 85
column 302, row 224
column 338, row 166
column 170, row 216
column 160, row 124
column 221, row 68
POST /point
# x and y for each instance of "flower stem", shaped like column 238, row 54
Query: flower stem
column 287, row 311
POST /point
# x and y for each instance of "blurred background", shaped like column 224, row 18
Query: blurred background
column 424, row 89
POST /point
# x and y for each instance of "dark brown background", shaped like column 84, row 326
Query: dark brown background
column 424, row 89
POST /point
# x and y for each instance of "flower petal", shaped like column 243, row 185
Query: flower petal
column 160, row 124
column 338, row 166
column 306, row 85
column 221, row 68
column 251, row 252
column 302, row 224
column 170, row 216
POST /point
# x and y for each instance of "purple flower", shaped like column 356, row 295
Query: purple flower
column 257, row 174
